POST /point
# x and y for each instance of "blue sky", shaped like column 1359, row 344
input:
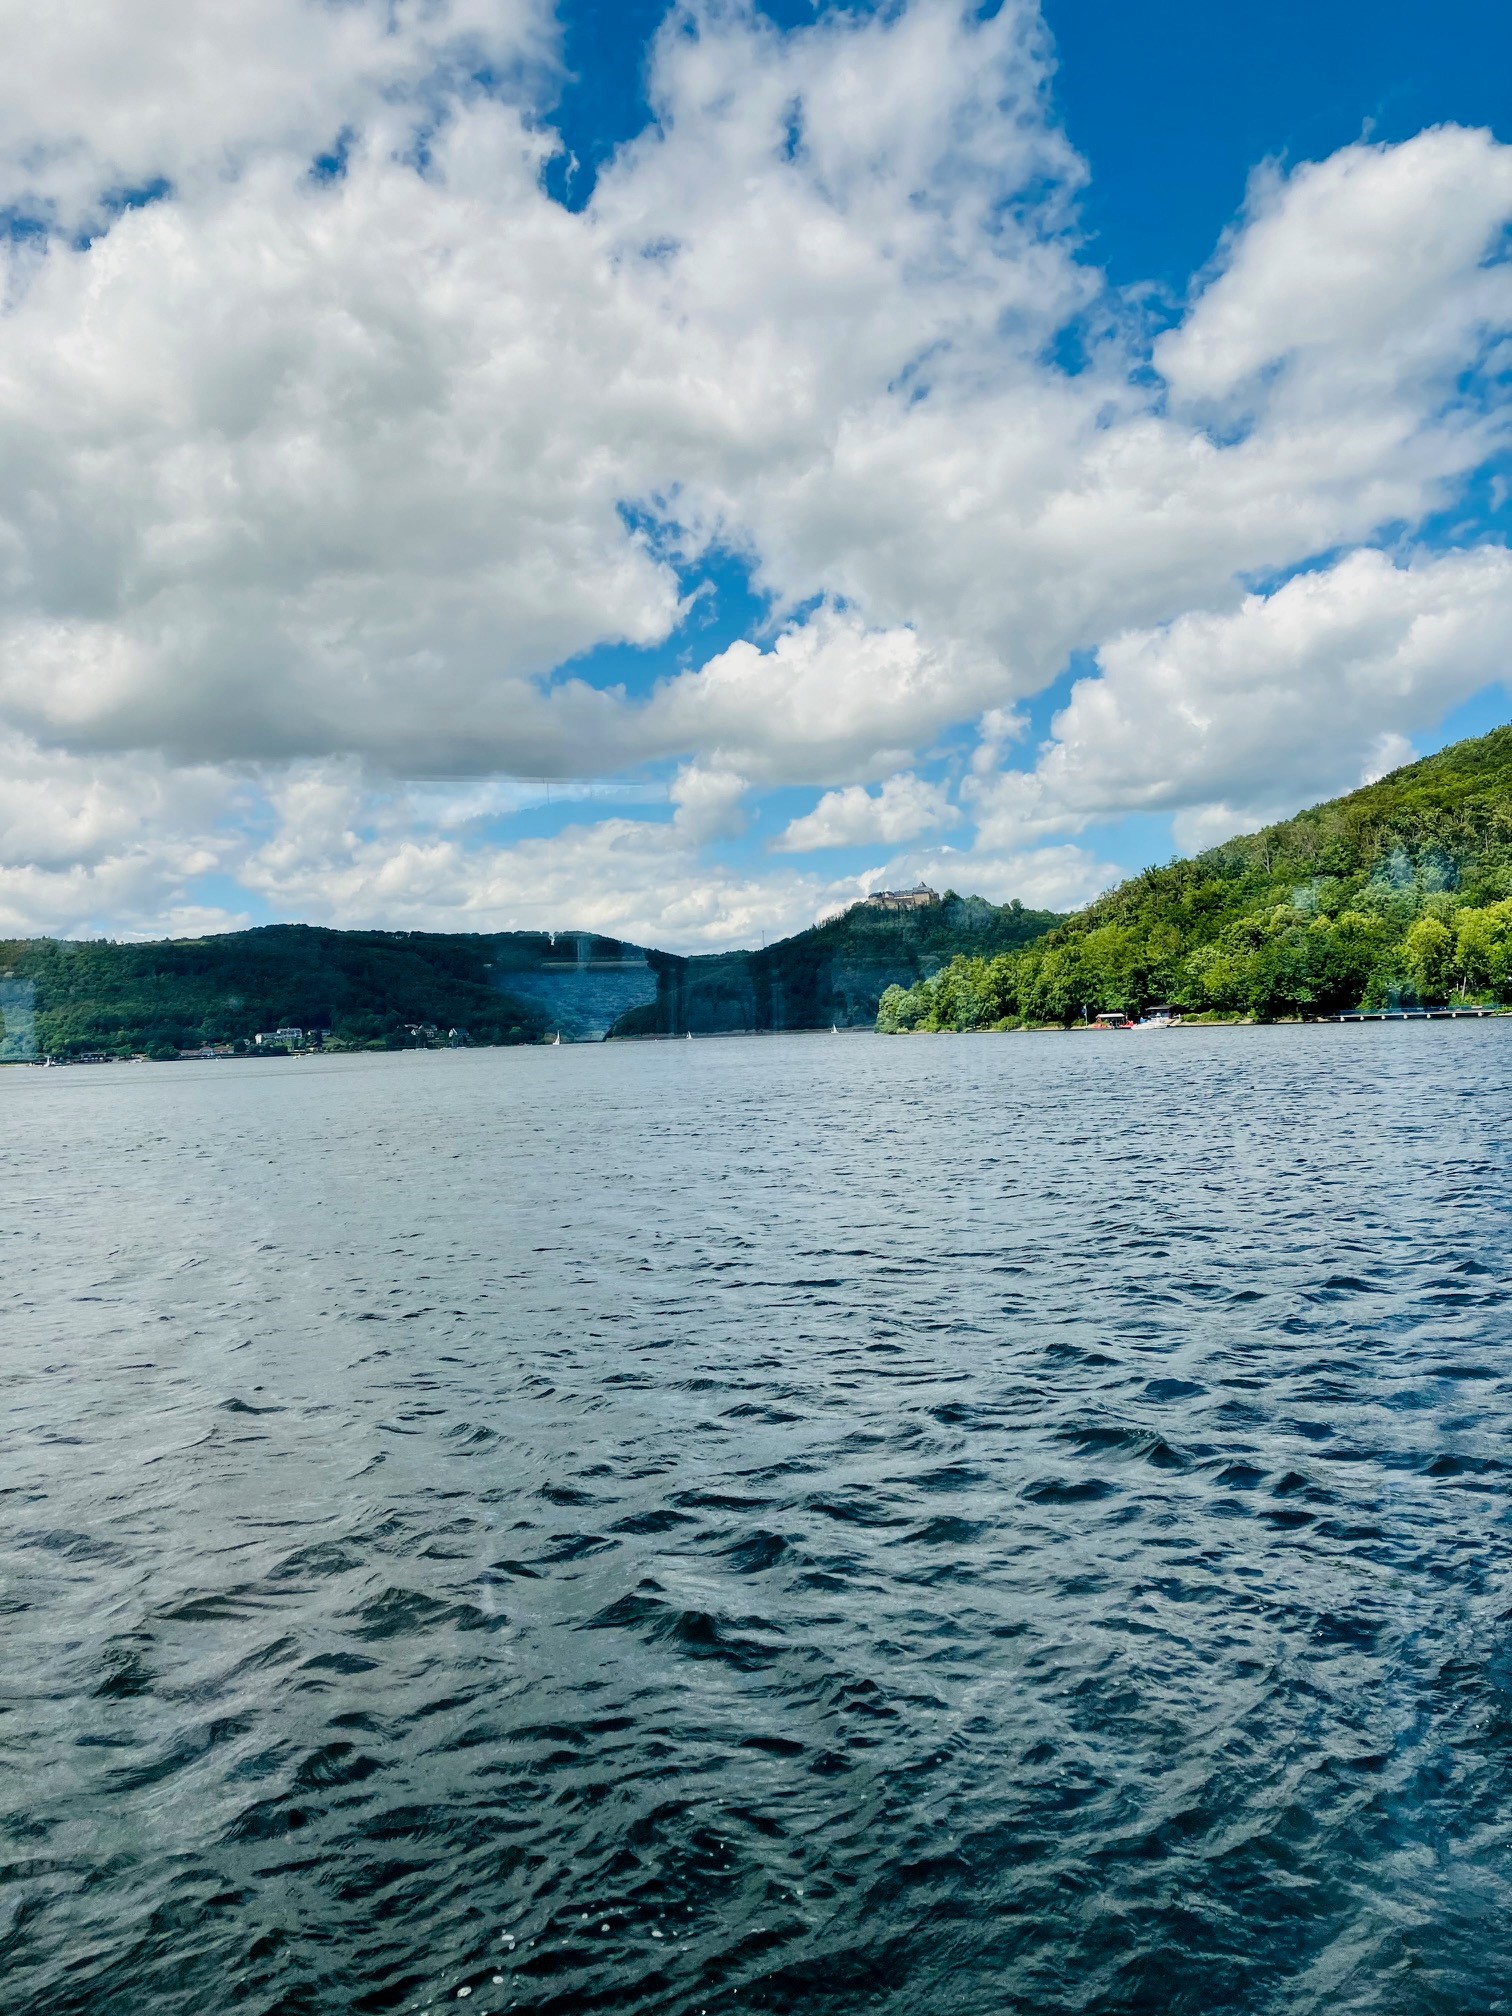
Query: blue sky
column 1175, row 103
column 669, row 474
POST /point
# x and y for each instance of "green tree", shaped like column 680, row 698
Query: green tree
column 1428, row 951
column 899, row 1009
column 1483, row 948
column 1064, row 984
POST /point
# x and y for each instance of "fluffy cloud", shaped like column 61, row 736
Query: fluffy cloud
column 94, row 843
column 1203, row 715
column 1362, row 280
column 340, row 854
column 710, row 803
column 282, row 473
column 330, row 462
column 99, row 101
column 1028, row 514
column 830, row 696
column 343, row 464
column 902, row 809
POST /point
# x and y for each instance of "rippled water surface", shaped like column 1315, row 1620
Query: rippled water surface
column 939, row 1525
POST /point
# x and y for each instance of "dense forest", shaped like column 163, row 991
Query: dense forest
column 1399, row 894
column 834, row 974
column 365, row 988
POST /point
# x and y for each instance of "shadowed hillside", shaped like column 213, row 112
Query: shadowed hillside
column 364, row 987
column 834, row 974
column 394, row 989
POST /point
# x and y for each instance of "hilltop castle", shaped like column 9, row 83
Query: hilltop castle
column 921, row 897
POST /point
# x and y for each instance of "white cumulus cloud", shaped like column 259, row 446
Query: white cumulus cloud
column 901, row 809
column 1203, row 715
column 113, row 843
column 340, row 854
column 830, row 695
column 101, row 100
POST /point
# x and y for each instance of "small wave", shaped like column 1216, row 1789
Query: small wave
column 396, row 1613
column 756, row 1552
column 1069, row 1490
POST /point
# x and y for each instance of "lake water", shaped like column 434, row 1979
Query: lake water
column 830, row 1524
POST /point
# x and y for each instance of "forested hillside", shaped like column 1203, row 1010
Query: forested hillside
column 365, row 987
column 394, row 988
column 1398, row 894
column 836, row 973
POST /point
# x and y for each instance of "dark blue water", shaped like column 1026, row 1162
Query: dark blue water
column 932, row 1525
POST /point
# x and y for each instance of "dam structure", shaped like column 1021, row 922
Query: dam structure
column 580, row 982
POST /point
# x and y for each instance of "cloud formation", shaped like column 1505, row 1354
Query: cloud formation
column 100, row 103
column 338, row 855
column 1204, row 714
column 90, row 843
column 904, row 807
column 332, row 448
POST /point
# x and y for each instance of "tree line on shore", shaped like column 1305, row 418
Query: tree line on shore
column 1399, row 894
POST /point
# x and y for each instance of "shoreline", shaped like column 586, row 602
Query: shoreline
column 1352, row 1017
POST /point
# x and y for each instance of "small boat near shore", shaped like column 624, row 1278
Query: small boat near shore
column 1157, row 1018
column 1161, row 1017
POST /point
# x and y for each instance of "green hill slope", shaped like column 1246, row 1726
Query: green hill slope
column 834, row 974
column 1399, row 893
column 363, row 986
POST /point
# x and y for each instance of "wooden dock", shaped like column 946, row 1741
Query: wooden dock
column 1415, row 1014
